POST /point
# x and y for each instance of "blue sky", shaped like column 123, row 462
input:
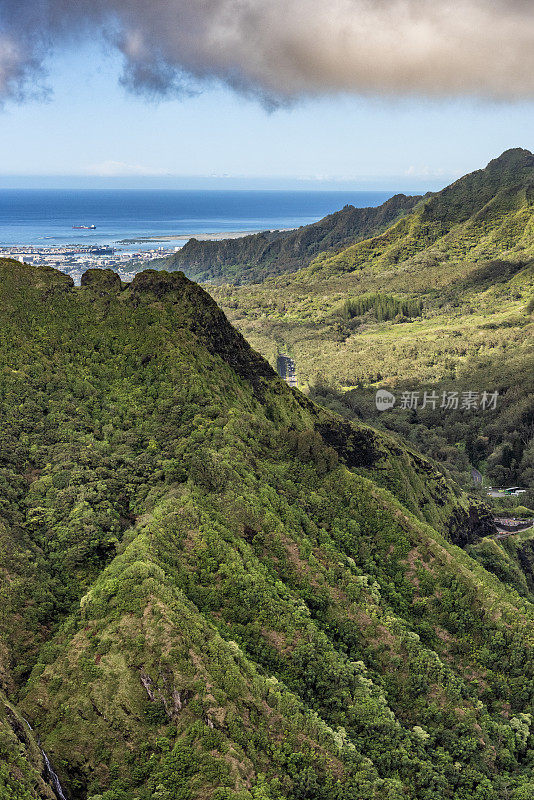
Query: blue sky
column 92, row 128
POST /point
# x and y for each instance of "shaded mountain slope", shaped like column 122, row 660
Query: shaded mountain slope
column 511, row 559
column 249, row 602
column 253, row 258
column 23, row 771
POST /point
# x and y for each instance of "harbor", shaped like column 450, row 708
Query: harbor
column 75, row 259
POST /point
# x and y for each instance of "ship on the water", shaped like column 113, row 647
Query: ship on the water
column 84, row 227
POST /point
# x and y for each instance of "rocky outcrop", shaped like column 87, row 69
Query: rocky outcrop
column 467, row 526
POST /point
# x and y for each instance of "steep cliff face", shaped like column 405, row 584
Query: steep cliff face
column 417, row 482
column 253, row 258
column 236, row 594
column 24, row 772
column 511, row 559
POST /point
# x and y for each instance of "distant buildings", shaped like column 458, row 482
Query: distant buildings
column 74, row 260
column 512, row 491
column 285, row 366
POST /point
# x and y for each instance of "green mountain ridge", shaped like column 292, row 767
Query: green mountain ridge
column 258, row 256
column 212, row 587
column 481, row 216
column 461, row 265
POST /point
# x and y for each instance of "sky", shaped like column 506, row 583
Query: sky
column 93, row 124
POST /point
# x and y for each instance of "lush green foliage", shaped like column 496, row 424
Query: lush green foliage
column 466, row 256
column 213, row 588
column 498, row 442
column 21, row 762
column 382, row 306
column 255, row 257
column 511, row 559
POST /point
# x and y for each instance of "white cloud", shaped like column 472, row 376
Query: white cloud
column 111, row 169
column 284, row 49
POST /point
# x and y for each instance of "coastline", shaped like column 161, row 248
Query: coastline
column 202, row 237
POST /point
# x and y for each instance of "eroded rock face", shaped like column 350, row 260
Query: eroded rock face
column 356, row 448
column 466, row 527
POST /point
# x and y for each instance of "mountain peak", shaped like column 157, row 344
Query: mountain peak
column 515, row 157
column 469, row 194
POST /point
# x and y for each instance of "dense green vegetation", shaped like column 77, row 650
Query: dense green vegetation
column 511, row 559
column 496, row 441
column 462, row 263
column 260, row 255
column 22, row 768
column 212, row 587
column 382, row 306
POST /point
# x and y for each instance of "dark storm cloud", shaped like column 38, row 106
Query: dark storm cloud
column 284, row 49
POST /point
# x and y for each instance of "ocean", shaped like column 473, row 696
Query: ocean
column 45, row 218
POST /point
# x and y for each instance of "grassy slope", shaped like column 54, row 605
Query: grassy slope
column 234, row 604
column 256, row 257
column 466, row 252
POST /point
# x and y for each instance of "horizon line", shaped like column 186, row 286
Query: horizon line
column 395, row 183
